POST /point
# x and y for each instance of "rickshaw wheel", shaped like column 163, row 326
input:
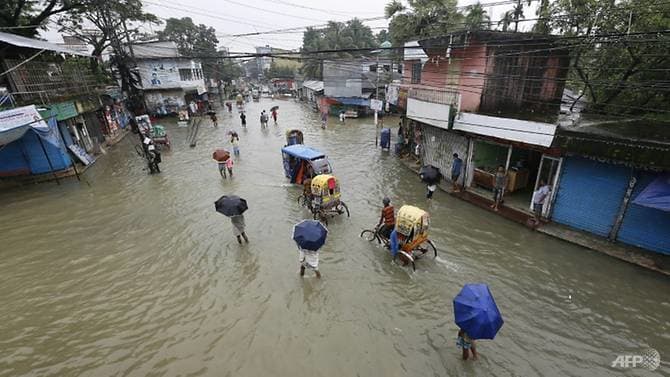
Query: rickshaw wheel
column 340, row 210
column 427, row 247
column 405, row 259
column 370, row 235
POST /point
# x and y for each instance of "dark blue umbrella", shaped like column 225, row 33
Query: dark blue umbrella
column 476, row 312
column 430, row 174
column 231, row 205
column 310, row 234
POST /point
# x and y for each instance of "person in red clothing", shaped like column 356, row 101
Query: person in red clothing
column 388, row 218
column 274, row 115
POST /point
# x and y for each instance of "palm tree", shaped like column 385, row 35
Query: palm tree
column 517, row 13
column 506, row 20
column 476, row 18
column 393, row 8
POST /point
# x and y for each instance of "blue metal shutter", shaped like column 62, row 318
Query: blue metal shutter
column 646, row 227
column 590, row 195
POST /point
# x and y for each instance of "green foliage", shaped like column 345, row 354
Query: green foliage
column 226, row 70
column 423, row 18
column 337, row 35
column 114, row 22
column 280, row 71
column 27, row 17
column 192, row 40
column 621, row 74
column 476, row 18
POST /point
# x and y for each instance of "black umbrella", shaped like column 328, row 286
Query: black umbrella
column 430, row 174
column 273, row 108
column 231, row 205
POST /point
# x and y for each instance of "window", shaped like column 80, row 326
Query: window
column 373, row 68
column 185, row 74
column 197, row 73
column 416, row 73
column 387, row 68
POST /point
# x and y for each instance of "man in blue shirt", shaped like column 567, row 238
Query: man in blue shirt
column 456, row 166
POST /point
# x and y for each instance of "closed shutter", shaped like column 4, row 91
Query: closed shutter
column 645, row 227
column 440, row 146
column 590, row 195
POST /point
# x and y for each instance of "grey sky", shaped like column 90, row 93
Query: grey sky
column 248, row 16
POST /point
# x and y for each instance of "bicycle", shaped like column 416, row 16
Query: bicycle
column 405, row 257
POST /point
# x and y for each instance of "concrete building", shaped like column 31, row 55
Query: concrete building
column 169, row 80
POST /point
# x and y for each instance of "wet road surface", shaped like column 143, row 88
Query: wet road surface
column 130, row 274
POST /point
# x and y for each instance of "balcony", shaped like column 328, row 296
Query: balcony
column 44, row 82
column 431, row 106
column 441, row 96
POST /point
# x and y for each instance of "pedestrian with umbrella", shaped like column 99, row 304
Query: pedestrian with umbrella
column 477, row 316
column 310, row 236
column 220, row 156
column 233, row 206
column 431, row 176
column 273, row 110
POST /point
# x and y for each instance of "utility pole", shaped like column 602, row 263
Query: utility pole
column 377, row 99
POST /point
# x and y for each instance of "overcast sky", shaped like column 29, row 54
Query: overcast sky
column 248, row 16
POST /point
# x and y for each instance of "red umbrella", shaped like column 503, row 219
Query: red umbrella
column 221, row 155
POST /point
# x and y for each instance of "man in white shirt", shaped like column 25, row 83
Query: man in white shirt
column 539, row 197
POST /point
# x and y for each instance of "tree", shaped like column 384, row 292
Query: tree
column 506, row 20
column 192, row 40
column 476, row 18
column 517, row 14
column 622, row 73
column 336, row 35
column 280, row 71
column 423, row 18
column 27, row 17
column 543, row 14
column 382, row 36
column 109, row 19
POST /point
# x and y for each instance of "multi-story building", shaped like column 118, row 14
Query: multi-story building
column 169, row 80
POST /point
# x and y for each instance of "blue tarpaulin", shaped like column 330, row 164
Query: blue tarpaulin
column 656, row 194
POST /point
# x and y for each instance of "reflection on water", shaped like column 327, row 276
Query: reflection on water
column 137, row 275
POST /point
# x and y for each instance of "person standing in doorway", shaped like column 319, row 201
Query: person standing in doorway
column 539, row 197
column 499, row 184
column 456, row 167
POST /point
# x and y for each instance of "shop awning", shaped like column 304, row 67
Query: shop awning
column 16, row 122
column 316, row 86
column 656, row 194
column 19, row 41
column 524, row 131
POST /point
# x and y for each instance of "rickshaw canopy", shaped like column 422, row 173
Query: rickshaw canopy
column 302, row 152
column 412, row 221
column 326, row 189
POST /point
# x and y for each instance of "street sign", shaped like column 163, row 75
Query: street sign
column 376, row 104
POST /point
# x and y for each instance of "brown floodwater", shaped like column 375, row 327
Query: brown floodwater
column 131, row 274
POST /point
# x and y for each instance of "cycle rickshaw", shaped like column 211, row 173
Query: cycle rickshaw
column 411, row 227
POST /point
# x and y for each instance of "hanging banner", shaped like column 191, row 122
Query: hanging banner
column 15, row 122
column 376, row 104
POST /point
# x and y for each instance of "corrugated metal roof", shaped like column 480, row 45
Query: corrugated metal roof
column 17, row 40
column 314, row 85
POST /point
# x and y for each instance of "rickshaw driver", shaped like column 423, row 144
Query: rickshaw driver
column 307, row 189
column 388, row 218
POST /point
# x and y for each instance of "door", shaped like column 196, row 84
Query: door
column 547, row 172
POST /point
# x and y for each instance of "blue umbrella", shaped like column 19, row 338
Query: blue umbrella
column 476, row 312
column 310, row 235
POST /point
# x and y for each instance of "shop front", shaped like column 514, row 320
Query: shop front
column 521, row 148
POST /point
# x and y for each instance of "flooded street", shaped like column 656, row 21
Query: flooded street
column 131, row 274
